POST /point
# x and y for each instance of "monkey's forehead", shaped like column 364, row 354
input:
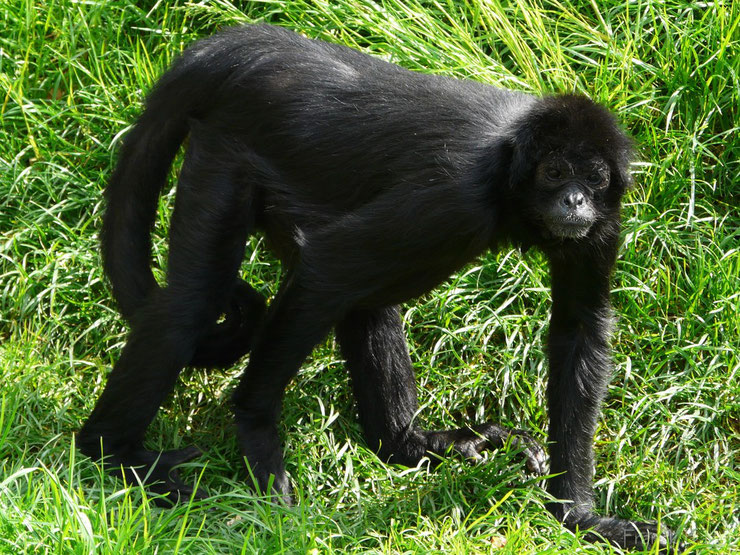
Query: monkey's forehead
column 575, row 156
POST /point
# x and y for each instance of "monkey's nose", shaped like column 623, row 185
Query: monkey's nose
column 573, row 199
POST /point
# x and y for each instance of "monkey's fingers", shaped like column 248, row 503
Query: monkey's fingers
column 629, row 534
column 494, row 435
column 535, row 454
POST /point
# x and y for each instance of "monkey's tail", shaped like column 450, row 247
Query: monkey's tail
column 132, row 194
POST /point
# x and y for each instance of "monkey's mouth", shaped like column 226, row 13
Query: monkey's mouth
column 569, row 228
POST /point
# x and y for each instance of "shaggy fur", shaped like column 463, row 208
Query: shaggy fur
column 372, row 184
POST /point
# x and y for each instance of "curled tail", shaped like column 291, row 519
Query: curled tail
column 132, row 196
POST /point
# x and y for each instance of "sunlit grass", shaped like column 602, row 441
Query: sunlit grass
column 72, row 76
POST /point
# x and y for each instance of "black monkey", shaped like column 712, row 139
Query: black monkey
column 372, row 184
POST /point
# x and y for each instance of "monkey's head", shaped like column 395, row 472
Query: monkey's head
column 570, row 167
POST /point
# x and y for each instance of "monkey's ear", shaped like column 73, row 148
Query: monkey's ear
column 623, row 176
column 525, row 154
column 620, row 166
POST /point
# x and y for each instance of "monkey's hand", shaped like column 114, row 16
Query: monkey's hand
column 626, row 534
column 471, row 442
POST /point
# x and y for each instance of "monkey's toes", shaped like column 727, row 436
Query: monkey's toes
column 173, row 490
column 179, row 456
column 158, row 472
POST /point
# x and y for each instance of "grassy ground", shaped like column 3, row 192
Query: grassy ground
column 72, row 75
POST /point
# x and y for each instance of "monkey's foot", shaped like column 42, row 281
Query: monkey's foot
column 260, row 446
column 471, row 442
column 155, row 470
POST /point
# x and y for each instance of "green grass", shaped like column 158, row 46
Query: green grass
column 72, row 76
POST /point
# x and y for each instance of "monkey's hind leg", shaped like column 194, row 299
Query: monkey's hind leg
column 374, row 345
column 296, row 320
column 210, row 223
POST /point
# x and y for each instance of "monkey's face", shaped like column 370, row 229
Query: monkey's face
column 569, row 193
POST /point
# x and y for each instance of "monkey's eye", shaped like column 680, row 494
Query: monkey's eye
column 553, row 173
column 594, row 179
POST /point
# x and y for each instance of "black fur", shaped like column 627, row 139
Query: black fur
column 372, row 184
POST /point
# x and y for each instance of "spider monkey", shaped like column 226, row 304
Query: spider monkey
column 372, row 184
